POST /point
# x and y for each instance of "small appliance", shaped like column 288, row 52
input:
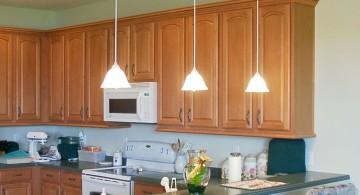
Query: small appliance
column 137, row 104
column 35, row 137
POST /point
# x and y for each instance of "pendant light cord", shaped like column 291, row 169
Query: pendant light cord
column 257, row 36
column 194, row 38
column 115, row 44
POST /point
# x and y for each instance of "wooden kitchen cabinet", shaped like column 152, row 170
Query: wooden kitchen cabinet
column 20, row 77
column 235, row 70
column 286, row 56
column 85, row 68
column 195, row 110
column 15, row 181
column 56, row 182
column 170, row 60
column 135, row 51
column 142, row 52
column 56, row 88
column 147, row 188
column 74, row 76
column 27, row 77
column 6, row 79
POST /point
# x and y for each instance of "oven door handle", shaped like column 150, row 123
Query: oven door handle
column 94, row 179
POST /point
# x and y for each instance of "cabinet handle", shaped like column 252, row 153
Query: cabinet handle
column 3, row 191
column 71, row 179
column 61, row 112
column 16, row 175
column 248, row 117
column 133, row 70
column 180, row 115
column 49, row 175
column 189, row 115
column 82, row 112
column 126, row 68
column 258, row 116
column 87, row 112
column 19, row 111
column 147, row 192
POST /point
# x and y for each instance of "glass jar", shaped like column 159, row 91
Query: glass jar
column 197, row 171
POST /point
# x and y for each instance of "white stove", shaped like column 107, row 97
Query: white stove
column 143, row 159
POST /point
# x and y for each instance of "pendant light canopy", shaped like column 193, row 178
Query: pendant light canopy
column 194, row 81
column 257, row 83
column 115, row 77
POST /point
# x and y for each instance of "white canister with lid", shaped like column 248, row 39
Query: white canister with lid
column 261, row 164
column 249, row 171
column 117, row 158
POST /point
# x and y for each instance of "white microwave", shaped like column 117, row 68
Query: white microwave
column 137, row 104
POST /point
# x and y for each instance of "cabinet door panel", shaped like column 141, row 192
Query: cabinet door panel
column 74, row 76
column 96, row 68
column 70, row 191
column 142, row 52
column 202, row 109
column 16, row 189
column 28, row 77
column 274, row 60
column 123, row 49
column 236, row 54
column 6, row 65
column 50, row 189
column 57, row 78
column 170, row 61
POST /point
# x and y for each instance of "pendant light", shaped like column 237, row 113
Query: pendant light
column 115, row 77
column 257, row 83
column 194, row 80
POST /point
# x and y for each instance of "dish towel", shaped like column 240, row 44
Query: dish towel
column 341, row 189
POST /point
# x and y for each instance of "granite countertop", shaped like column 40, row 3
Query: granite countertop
column 294, row 182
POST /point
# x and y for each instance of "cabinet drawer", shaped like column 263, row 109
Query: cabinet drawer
column 50, row 175
column 146, row 188
column 71, row 179
column 11, row 175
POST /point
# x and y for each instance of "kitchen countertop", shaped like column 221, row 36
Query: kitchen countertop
column 294, row 182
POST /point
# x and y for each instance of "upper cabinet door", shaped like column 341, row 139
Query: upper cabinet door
column 56, row 58
column 170, row 62
column 6, row 65
column 235, row 72
column 123, row 49
column 202, row 106
column 96, row 68
column 74, row 76
column 273, row 109
column 142, row 52
column 28, row 77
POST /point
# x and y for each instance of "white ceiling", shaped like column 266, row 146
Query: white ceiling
column 46, row 4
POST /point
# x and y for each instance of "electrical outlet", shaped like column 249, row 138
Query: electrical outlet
column 16, row 137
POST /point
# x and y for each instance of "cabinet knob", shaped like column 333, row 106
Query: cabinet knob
column 19, row 111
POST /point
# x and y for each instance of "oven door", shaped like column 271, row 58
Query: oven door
column 94, row 185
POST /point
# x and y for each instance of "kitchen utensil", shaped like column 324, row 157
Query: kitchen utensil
column 186, row 147
column 175, row 147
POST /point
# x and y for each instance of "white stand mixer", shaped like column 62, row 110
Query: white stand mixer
column 34, row 138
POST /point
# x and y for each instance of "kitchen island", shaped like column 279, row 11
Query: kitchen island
column 295, row 184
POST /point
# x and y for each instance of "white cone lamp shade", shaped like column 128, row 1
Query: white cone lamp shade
column 194, row 82
column 257, row 84
column 115, row 78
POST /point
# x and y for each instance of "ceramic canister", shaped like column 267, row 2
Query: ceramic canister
column 261, row 164
column 249, row 170
column 117, row 158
